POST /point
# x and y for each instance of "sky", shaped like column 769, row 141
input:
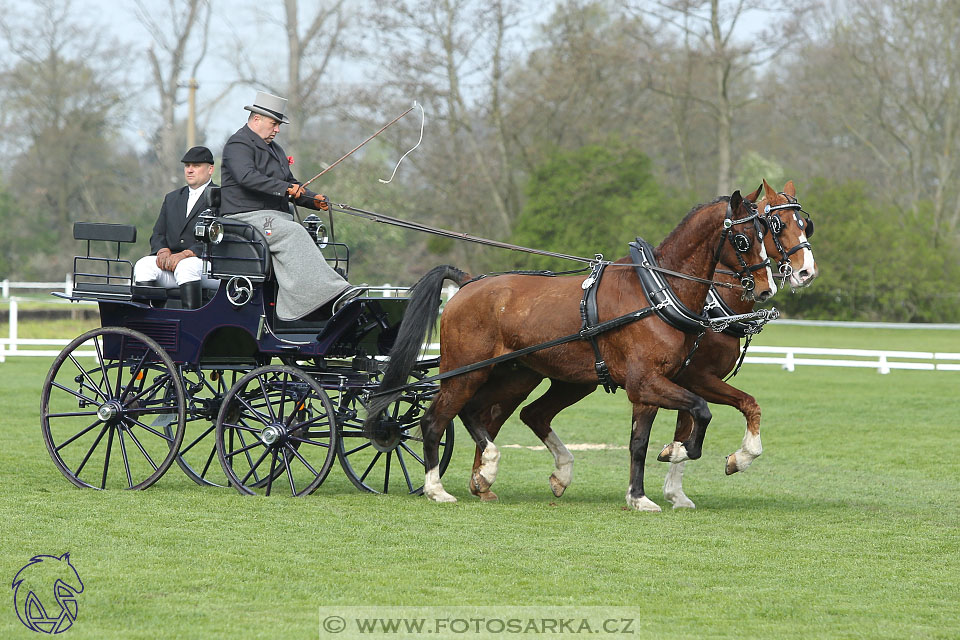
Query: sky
column 231, row 19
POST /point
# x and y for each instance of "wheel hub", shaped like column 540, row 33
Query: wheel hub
column 271, row 434
column 386, row 435
column 109, row 411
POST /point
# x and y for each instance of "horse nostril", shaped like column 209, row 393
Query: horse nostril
column 763, row 295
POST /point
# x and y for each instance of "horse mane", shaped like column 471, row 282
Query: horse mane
column 695, row 209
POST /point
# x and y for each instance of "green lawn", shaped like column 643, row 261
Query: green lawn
column 846, row 527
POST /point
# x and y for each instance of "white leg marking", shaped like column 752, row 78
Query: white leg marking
column 673, row 488
column 679, row 453
column 749, row 450
column 563, row 459
column 433, row 489
column 490, row 462
column 643, row 503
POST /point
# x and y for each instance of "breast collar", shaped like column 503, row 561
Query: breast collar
column 715, row 307
column 661, row 295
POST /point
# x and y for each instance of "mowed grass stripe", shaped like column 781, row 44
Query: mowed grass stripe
column 847, row 526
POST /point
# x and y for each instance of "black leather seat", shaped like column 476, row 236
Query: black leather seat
column 242, row 250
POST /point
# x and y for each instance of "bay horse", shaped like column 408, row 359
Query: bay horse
column 714, row 359
column 719, row 352
column 498, row 315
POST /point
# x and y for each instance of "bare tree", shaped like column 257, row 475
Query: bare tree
column 315, row 42
column 718, row 60
column 455, row 57
column 179, row 38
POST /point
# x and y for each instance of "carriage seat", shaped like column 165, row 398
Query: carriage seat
column 240, row 250
column 96, row 277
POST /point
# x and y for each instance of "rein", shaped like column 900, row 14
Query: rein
column 593, row 263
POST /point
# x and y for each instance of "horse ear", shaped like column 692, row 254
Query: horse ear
column 735, row 201
column 769, row 192
column 756, row 194
column 66, row 556
column 789, row 189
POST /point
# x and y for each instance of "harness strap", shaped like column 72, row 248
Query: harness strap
column 583, row 334
column 590, row 316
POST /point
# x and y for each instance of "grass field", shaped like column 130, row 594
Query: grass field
column 846, row 527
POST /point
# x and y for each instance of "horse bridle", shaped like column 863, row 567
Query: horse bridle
column 741, row 243
column 776, row 226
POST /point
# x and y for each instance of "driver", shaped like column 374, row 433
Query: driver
column 257, row 187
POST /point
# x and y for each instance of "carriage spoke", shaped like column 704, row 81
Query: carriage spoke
column 313, row 442
column 303, row 460
column 106, row 460
column 264, row 390
column 253, row 467
column 126, row 461
column 150, row 429
column 92, row 385
column 370, row 467
column 286, row 465
column 76, row 394
column 406, row 473
column 206, row 467
column 90, row 450
column 386, row 473
column 246, row 453
column 273, row 468
column 361, row 447
column 77, row 435
column 413, row 453
column 146, row 455
column 196, row 440
column 245, row 449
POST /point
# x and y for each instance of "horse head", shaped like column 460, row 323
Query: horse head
column 742, row 250
column 788, row 240
column 46, row 580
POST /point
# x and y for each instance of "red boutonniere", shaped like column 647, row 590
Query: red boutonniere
column 290, row 159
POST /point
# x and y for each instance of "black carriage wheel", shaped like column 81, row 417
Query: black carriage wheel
column 276, row 431
column 392, row 460
column 204, row 390
column 112, row 410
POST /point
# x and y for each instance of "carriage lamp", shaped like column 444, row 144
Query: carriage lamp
column 317, row 230
column 208, row 230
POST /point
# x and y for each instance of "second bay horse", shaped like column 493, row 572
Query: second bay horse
column 498, row 315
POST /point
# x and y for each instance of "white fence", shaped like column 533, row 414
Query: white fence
column 66, row 285
column 789, row 358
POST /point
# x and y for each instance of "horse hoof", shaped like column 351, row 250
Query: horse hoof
column 643, row 503
column 479, row 484
column 731, row 467
column 666, row 453
column 683, row 503
column 488, row 496
column 556, row 486
column 442, row 496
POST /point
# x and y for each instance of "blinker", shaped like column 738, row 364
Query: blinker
column 741, row 243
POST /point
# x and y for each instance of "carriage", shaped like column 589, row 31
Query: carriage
column 229, row 392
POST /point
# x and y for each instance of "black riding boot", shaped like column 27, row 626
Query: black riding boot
column 191, row 295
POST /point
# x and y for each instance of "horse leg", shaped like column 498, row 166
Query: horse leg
column 673, row 483
column 493, row 403
column 453, row 395
column 643, row 416
column 750, row 447
column 539, row 414
column 713, row 389
column 668, row 395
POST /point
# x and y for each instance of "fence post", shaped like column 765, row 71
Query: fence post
column 884, row 366
column 5, row 285
column 68, row 284
column 788, row 362
column 13, row 325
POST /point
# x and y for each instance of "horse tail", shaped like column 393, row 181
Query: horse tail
column 417, row 327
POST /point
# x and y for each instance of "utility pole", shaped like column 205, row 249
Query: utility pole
column 192, row 114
